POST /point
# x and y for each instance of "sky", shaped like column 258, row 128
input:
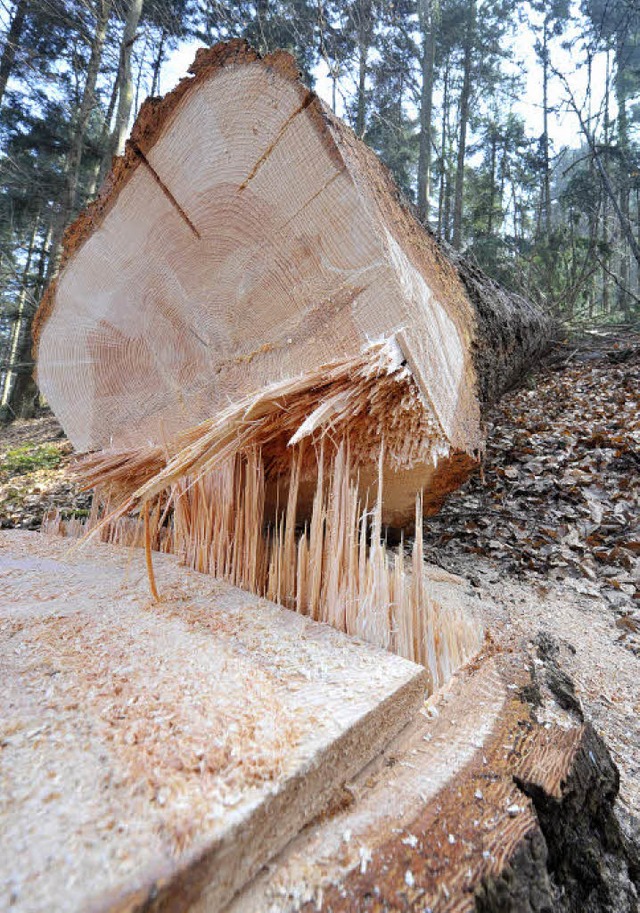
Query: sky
column 563, row 128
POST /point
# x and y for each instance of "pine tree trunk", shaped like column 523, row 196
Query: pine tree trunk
column 78, row 135
column 442, row 222
column 103, row 12
column 125, row 83
column 604, row 304
column 157, row 64
column 492, row 184
column 268, row 260
column 364, row 41
column 546, row 178
column 426, row 105
column 97, row 171
column 624, row 267
column 11, row 44
column 10, row 399
column 465, row 97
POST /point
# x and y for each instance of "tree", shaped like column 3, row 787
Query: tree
column 555, row 15
column 468, row 49
column 11, row 44
column 391, row 131
column 428, row 11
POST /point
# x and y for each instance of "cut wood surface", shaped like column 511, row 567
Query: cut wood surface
column 474, row 808
column 245, row 239
column 168, row 757
column 152, row 751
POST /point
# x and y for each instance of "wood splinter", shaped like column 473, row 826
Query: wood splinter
column 147, row 552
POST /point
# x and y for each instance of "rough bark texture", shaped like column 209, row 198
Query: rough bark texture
column 11, row 44
column 589, row 861
column 524, row 824
column 427, row 27
column 511, row 333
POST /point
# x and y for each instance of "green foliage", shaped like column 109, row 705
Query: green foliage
column 30, row 457
column 391, row 129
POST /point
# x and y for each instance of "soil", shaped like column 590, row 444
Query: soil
column 29, row 492
column 548, row 543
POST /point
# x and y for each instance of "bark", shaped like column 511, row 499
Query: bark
column 492, row 184
column 125, row 85
column 157, row 64
column 11, row 44
column 511, row 336
column 442, row 221
column 624, row 268
column 9, row 402
column 605, row 212
column 103, row 141
column 87, row 104
column 426, row 106
column 525, row 825
column 546, row 181
column 465, row 98
column 364, row 43
column 609, row 189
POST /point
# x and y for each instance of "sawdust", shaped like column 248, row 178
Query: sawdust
column 133, row 734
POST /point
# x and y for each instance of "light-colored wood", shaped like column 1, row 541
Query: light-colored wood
column 247, row 238
column 475, row 806
column 337, row 569
column 390, row 794
column 150, row 751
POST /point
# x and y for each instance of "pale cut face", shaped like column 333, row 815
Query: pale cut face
column 252, row 240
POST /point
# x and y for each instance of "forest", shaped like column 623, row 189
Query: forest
column 544, row 196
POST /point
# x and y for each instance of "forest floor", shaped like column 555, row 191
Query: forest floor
column 560, row 487
column 546, row 539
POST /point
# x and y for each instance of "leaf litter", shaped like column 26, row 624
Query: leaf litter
column 560, row 488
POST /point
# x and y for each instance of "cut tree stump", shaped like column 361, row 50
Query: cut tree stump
column 217, row 753
column 150, row 753
column 247, row 238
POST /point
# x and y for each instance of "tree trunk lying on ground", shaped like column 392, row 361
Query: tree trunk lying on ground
column 249, row 300
column 250, row 323
column 246, row 238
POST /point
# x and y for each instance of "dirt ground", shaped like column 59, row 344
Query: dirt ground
column 546, row 538
column 35, row 463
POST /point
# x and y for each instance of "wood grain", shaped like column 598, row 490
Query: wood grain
column 152, row 750
column 247, row 237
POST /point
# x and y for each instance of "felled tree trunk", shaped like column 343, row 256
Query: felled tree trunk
column 269, row 356
column 246, row 238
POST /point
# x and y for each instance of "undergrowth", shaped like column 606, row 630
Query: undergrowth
column 28, row 458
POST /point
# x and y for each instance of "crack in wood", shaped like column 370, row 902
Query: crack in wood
column 311, row 199
column 161, row 184
column 267, row 152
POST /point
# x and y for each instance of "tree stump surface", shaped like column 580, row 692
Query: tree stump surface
column 474, row 807
column 170, row 756
column 149, row 750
